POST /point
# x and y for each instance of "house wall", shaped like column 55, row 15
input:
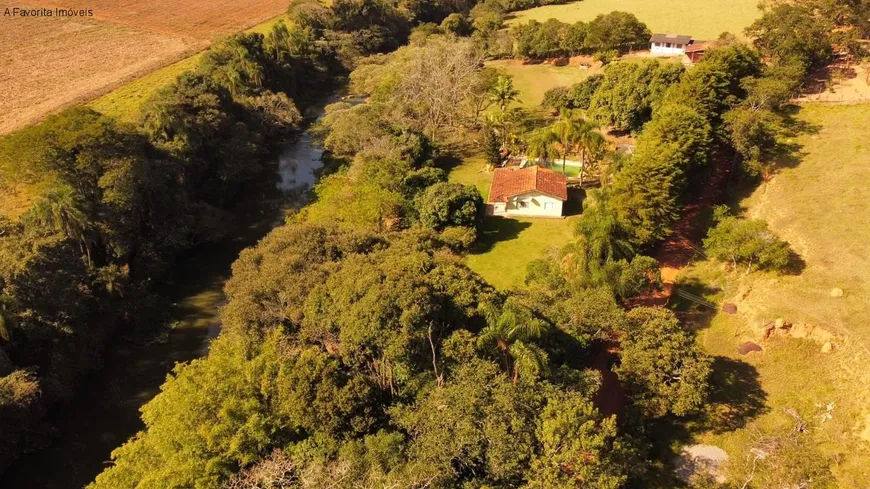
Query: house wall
column 660, row 48
column 694, row 57
column 536, row 205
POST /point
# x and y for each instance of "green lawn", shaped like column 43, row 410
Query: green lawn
column 125, row 102
column 701, row 21
column 506, row 246
column 534, row 80
column 820, row 204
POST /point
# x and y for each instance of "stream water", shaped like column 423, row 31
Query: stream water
column 105, row 411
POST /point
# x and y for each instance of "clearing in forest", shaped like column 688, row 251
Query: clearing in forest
column 534, row 79
column 50, row 63
column 703, row 21
column 820, row 204
column 507, row 246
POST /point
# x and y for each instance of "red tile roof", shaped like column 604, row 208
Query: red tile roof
column 511, row 181
column 696, row 47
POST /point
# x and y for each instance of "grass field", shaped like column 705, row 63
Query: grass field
column 507, row 246
column 533, row 80
column 821, row 206
column 52, row 63
column 701, row 21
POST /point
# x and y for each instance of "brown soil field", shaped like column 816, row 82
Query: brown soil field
column 198, row 19
column 50, row 63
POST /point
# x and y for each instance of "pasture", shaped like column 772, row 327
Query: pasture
column 533, row 80
column 820, row 204
column 701, row 21
column 51, row 63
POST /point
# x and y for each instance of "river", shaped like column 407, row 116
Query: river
column 105, row 411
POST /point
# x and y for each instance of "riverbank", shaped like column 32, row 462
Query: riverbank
column 105, row 410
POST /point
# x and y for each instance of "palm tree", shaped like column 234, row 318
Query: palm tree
column 248, row 66
column 503, row 92
column 511, row 331
column 279, row 38
column 63, row 210
column 568, row 131
column 591, row 144
column 542, row 145
column 606, row 237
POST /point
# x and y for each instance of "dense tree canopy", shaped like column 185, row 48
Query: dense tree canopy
column 449, row 204
column 662, row 366
column 629, row 92
column 357, row 348
column 616, row 31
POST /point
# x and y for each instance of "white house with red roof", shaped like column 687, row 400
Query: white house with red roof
column 527, row 192
column 669, row 44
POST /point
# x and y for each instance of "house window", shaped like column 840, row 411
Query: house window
column 523, row 204
column 667, row 45
column 679, row 46
column 548, row 206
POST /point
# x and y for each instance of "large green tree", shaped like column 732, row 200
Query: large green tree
column 581, row 449
column 661, row 365
column 449, row 204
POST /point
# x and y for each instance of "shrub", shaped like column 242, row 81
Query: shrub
column 606, row 57
column 556, row 98
column 456, row 24
column 449, row 204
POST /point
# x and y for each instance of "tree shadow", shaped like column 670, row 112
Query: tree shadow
column 735, row 399
column 448, row 162
column 736, row 396
column 796, row 127
column 796, row 264
column 574, row 204
column 789, row 153
column 695, row 303
column 497, row 229
column 666, row 437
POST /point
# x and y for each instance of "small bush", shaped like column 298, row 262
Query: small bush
column 606, row 57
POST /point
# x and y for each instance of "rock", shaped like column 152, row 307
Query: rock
column 821, row 335
column 836, row 292
column 729, row 308
column 827, row 347
column 701, row 459
column 748, row 347
column 779, row 323
column 799, row 330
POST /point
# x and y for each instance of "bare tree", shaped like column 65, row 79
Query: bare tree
column 437, row 84
column 276, row 471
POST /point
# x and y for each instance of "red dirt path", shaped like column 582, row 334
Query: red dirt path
column 673, row 254
column 678, row 250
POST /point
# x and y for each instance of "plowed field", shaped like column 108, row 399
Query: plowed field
column 50, row 63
